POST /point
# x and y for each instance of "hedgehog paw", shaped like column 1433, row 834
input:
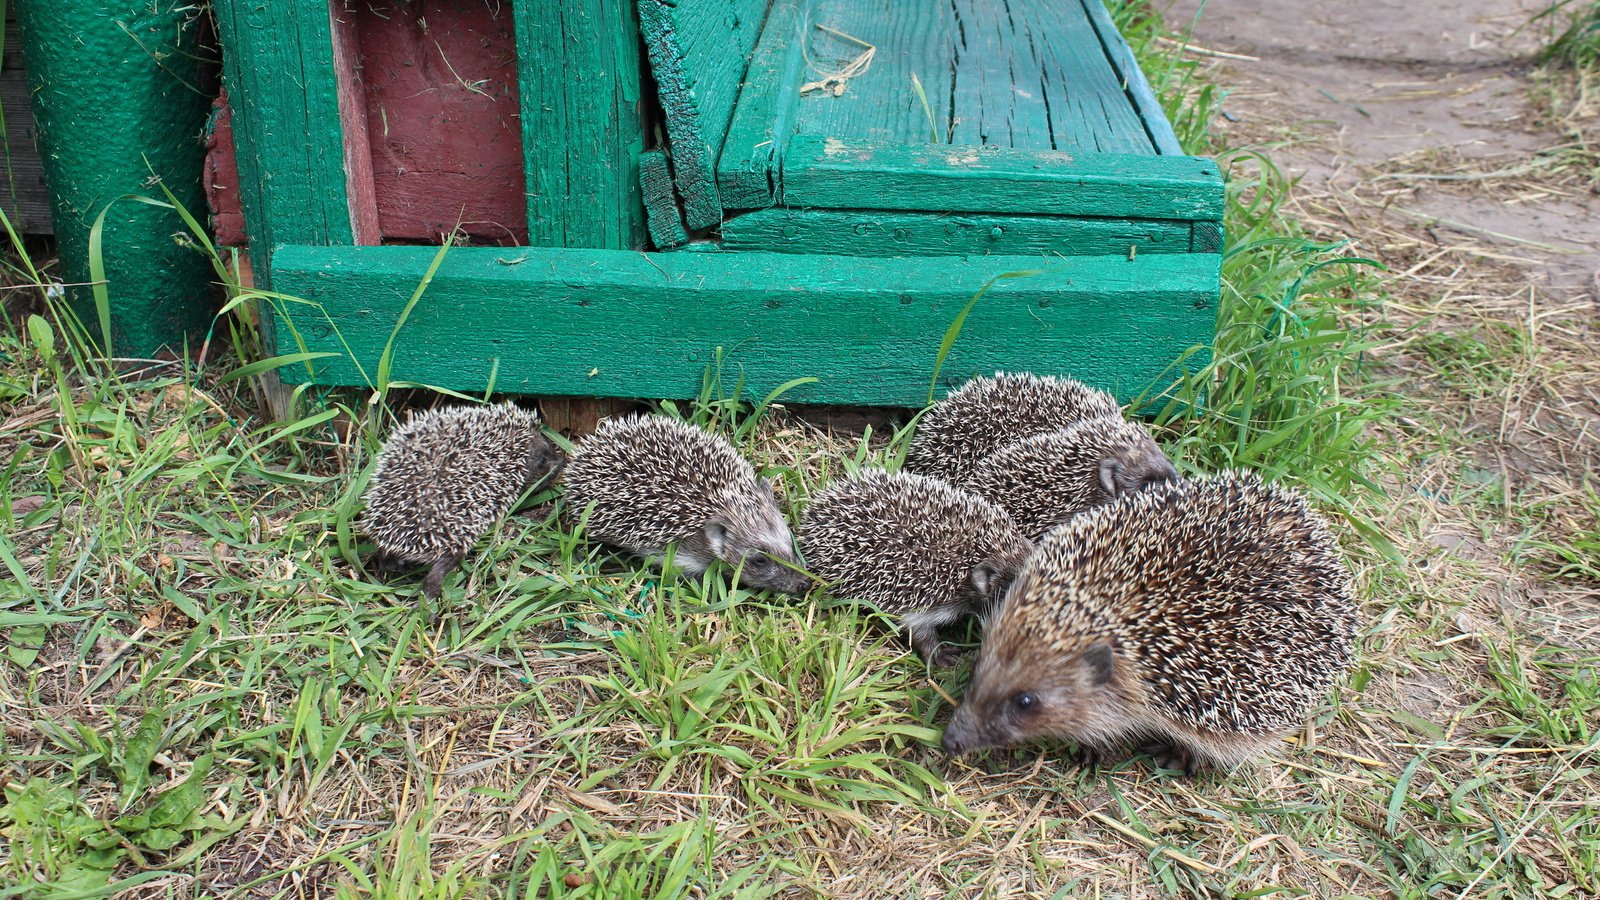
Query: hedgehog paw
column 1090, row 757
column 1171, row 756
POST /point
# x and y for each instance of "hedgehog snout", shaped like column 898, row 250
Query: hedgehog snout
column 966, row 733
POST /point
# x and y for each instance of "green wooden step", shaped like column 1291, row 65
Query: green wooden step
column 1014, row 106
column 618, row 324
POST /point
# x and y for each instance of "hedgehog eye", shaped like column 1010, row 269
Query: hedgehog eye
column 758, row 563
column 1025, row 702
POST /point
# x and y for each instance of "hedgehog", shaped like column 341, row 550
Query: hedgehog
column 647, row 482
column 986, row 414
column 1045, row 479
column 445, row 477
column 1205, row 618
column 916, row 547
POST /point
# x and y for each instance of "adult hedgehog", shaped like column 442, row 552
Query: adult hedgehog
column 1206, row 618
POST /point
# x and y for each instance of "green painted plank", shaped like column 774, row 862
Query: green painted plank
column 279, row 71
column 881, row 103
column 1028, row 74
column 1034, row 75
column 660, row 207
column 582, row 122
column 835, row 174
column 871, row 232
column 1207, row 237
column 763, row 115
column 1138, row 87
column 599, row 323
column 698, row 51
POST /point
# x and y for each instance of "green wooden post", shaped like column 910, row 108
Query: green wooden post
column 118, row 95
column 582, row 126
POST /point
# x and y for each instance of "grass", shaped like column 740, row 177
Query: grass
column 203, row 693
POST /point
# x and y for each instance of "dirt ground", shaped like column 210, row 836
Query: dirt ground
column 1426, row 134
column 1395, row 97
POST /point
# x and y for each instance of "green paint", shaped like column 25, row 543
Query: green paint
column 1027, row 75
column 582, row 122
column 117, row 98
column 602, row 323
column 660, row 207
column 1144, row 100
column 698, row 51
column 886, row 233
column 292, row 175
column 839, row 174
column 762, row 119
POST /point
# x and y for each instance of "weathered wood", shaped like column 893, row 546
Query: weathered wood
column 597, row 323
column 582, row 125
column 883, row 233
column 292, row 181
column 1028, row 75
column 837, row 174
column 763, row 116
column 347, row 75
column 698, row 52
column 660, row 207
column 1207, row 237
column 438, row 95
column 1127, row 68
column 221, row 176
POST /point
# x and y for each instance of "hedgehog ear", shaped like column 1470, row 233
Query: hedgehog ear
column 1097, row 661
column 983, row 577
column 716, row 537
column 767, row 486
column 1110, row 468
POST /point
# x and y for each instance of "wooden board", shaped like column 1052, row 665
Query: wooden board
column 837, row 174
column 1027, row 74
column 578, row 64
column 660, row 205
column 698, row 52
column 887, row 233
column 1039, row 82
column 292, row 180
column 598, row 323
column 763, row 117
column 437, row 97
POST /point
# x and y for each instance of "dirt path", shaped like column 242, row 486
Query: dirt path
column 1423, row 102
column 1415, row 132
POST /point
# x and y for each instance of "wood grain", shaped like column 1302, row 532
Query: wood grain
column 598, row 323
column 438, row 100
column 762, row 118
column 883, row 233
column 837, row 174
column 698, row 52
column 292, row 181
column 582, row 122
column 660, row 206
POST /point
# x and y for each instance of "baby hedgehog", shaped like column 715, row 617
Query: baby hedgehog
column 445, row 477
column 1205, row 617
column 653, row 481
column 915, row 546
column 986, row 414
column 1046, row 479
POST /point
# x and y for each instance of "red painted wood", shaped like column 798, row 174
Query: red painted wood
column 222, row 177
column 440, row 80
column 359, row 183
